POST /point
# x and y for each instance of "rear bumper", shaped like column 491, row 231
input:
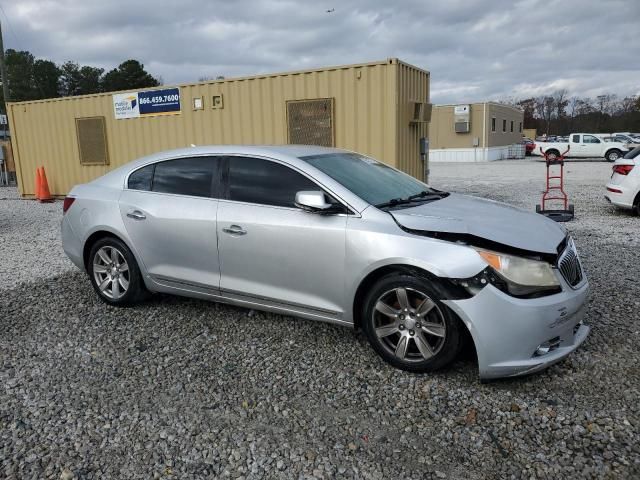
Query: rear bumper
column 619, row 195
column 507, row 331
column 71, row 244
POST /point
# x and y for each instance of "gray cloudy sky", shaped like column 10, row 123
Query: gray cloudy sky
column 475, row 50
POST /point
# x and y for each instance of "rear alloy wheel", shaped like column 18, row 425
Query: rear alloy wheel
column 114, row 273
column 408, row 326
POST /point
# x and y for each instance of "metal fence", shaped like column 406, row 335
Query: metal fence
column 517, row 151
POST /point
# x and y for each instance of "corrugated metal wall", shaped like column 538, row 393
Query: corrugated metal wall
column 371, row 115
column 412, row 86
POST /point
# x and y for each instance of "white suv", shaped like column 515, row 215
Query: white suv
column 623, row 190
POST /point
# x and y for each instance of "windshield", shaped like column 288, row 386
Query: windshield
column 373, row 181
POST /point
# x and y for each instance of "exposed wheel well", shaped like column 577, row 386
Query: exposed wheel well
column 93, row 238
column 553, row 150
column 377, row 274
column 371, row 278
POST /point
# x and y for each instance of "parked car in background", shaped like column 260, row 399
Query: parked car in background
column 529, row 145
column 584, row 145
column 629, row 139
column 623, row 189
column 331, row 235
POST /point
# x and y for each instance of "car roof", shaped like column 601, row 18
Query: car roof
column 283, row 152
column 289, row 154
column 276, row 151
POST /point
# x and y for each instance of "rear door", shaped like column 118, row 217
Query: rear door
column 169, row 209
column 272, row 251
column 578, row 148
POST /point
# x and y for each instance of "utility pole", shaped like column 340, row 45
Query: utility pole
column 3, row 70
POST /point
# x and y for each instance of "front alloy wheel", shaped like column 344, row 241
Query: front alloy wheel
column 407, row 324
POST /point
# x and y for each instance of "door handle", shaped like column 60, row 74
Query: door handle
column 234, row 230
column 136, row 215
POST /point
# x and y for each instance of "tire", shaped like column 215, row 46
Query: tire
column 538, row 208
column 110, row 260
column 552, row 154
column 408, row 342
column 613, row 155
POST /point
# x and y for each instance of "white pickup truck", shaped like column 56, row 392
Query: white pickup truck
column 583, row 145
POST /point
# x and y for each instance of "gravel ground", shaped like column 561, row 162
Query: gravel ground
column 179, row 388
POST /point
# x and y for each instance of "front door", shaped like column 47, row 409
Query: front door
column 170, row 215
column 270, row 250
column 591, row 146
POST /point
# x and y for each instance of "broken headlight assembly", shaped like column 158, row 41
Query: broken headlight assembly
column 517, row 276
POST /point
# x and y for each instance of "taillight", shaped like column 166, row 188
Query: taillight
column 68, row 201
column 622, row 169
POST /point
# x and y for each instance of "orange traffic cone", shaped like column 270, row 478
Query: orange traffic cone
column 38, row 192
column 45, row 195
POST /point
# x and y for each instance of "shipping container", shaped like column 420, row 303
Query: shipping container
column 380, row 109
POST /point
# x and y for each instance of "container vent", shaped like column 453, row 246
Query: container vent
column 462, row 127
column 310, row 122
column 92, row 141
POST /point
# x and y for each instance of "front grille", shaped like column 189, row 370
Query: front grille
column 569, row 265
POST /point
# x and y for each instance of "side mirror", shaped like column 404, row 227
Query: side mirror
column 312, row 201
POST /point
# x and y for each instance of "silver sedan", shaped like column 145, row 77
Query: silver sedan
column 331, row 235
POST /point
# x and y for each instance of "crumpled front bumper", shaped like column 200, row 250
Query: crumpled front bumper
column 507, row 331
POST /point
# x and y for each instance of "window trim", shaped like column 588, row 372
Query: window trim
column 224, row 179
column 223, row 183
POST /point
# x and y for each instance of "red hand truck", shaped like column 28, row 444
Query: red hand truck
column 555, row 189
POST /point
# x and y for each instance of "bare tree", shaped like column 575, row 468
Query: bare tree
column 545, row 107
column 628, row 105
column 560, row 100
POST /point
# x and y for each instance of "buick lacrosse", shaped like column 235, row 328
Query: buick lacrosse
column 332, row 235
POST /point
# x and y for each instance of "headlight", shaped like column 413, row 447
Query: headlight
column 521, row 277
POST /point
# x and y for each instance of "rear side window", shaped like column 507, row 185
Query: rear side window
column 141, row 178
column 185, row 176
column 255, row 180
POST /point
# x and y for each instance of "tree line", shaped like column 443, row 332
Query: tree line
column 561, row 113
column 31, row 78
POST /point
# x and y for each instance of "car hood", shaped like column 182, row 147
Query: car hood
column 495, row 222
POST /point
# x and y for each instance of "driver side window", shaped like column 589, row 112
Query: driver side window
column 256, row 180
